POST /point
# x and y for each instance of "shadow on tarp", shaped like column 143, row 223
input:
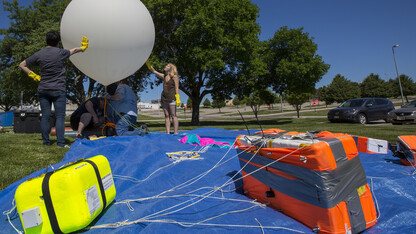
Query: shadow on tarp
column 138, row 157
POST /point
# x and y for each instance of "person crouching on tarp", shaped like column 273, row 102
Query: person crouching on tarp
column 89, row 114
column 124, row 105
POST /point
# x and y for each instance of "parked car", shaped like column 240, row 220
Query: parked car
column 361, row 110
column 406, row 114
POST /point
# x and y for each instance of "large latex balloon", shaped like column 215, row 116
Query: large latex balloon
column 121, row 36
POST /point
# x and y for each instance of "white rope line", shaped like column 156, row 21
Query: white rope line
column 125, row 223
column 156, row 196
column 211, row 197
column 262, row 230
column 217, row 216
column 200, row 151
column 134, row 180
column 207, row 194
column 8, row 212
column 202, row 197
column 260, row 168
column 196, row 178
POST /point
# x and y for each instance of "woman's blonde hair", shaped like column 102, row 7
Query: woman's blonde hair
column 173, row 71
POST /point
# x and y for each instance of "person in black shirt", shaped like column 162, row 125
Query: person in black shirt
column 52, row 79
column 88, row 114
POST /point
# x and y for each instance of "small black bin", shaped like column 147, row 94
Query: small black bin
column 28, row 121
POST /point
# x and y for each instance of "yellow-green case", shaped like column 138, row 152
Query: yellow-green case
column 68, row 199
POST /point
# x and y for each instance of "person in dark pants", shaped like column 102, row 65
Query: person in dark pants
column 52, row 80
column 124, row 104
column 88, row 114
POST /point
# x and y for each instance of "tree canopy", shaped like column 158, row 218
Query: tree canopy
column 341, row 89
column 209, row 42
column 374, row 86
column 292, row 61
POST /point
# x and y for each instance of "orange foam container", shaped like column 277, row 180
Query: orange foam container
column 406, row 150
column 315, row 178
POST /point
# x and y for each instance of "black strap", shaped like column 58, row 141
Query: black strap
column 48, row 203
column 100, row 182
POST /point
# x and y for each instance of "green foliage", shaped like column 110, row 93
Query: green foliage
column 340, row 90
column 269, row 97
column 218, row 102
column 207, row 103
column 374, row 86
column 408, row 86
column 209, row 41
column 254, row 100
column 189, row 103
column 292, row 61
column 236, row 101
column 297, row 99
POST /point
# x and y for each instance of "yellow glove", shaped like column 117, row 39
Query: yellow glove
column 34, row 76
column 84, row 43
column 148, row 65
column 178, row 101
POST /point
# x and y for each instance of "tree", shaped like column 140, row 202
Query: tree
column 255, row 101
column 292, row 62
column 209, row 41
column 342, row 89
column 408, row 86
column 323, row 94
column 297, row 99
column 207, row 103
column 189, row 103
column 269, row 97
column 236, row 101
column 218, row 102
column 374, row 86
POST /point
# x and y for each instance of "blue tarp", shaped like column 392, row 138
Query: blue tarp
column 139, row 157
column 6, row 119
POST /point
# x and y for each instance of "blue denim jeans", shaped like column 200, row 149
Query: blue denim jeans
column 58, row 98
column 124, row 128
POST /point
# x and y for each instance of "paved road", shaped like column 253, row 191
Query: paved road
column 224, row 115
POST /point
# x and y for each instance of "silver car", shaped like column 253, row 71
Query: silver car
column 406, row 114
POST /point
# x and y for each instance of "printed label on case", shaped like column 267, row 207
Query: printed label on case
column 107, row 181
column 93, row 199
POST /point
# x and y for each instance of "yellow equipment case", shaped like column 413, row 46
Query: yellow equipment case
column 68, row 199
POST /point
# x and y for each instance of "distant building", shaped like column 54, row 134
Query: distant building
column 149, row 106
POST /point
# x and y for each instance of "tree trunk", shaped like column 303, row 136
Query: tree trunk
column 195, row 112
column 297, row 111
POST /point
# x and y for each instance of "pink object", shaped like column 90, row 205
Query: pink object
column 200, row 141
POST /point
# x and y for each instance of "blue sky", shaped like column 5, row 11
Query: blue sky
column 354, row 36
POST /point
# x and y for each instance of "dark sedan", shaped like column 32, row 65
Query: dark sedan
column 361, row 110
column 406, row 114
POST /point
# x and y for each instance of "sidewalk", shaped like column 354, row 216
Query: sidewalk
column 213, row 113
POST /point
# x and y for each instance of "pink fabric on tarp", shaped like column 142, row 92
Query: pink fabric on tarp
column 197, row 140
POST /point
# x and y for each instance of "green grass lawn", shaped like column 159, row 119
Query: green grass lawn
column 23, row 154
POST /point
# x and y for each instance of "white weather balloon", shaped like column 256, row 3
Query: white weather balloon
column 121, row 36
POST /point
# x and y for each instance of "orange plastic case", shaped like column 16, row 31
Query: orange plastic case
column 406, row 150
column 315, row 178
column 371, row 146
